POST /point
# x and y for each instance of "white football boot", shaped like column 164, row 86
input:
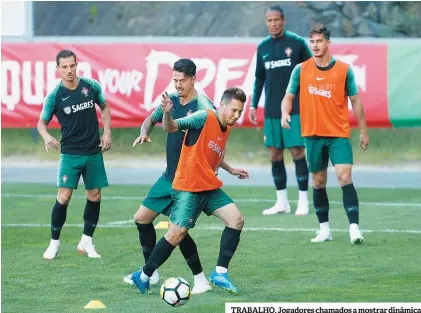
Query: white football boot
column 355, row 235
column 52, row 250
column 85, row 246
column 322, row 236
column 283, row 207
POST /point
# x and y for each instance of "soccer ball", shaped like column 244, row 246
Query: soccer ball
column 175, row 291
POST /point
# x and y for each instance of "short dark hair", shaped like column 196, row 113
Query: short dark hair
column 185, row 66
column 320, row 29
column 63, row 54
column 275, row 7
column 234, row 93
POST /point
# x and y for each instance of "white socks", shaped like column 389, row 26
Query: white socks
column 144, row 277
column 221, row 270
column 302, row 196
column 354, row 227
column 86, row 239
column 54, row 242
column 200, row 278
column 325, row 226
column 281, row 196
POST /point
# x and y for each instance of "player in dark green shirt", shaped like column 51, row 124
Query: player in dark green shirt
column 73, row 103
column 159, row 198
column 277, row 55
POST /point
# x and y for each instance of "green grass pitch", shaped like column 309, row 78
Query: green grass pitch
column 275, row 261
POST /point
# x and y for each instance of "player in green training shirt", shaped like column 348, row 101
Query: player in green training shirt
column 277, row 55
column 73, row 103
column 160, row 197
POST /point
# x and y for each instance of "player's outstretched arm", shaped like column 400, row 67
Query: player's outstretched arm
column 239, row 172
column 194, row 121
column 168, row 123
column 145, row 130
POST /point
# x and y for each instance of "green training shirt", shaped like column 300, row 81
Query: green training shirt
column 175, row 139
column 276, row 58
column 76, row 114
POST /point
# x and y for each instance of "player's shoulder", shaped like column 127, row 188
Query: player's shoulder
column 341, row 64
column 266, row 41
column 50, row 98
column 205, row 101
column 294, row 36
column 90, row 82
column 173, row 96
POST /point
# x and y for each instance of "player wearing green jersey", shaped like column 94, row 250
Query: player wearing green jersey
column 73, row 103
column 160, row 197
column 277, row 55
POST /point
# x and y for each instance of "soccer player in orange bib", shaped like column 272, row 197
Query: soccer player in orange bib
column 196, row 186
column 324, row 85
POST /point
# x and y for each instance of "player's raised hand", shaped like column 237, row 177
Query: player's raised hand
column 364, row 140
column 166, row 103
column 253, row 116
column 51, row 144
column 141, row 139
column 285, row 120
column 240, row 173
column 105, row 142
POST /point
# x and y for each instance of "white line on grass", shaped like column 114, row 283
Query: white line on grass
column 240, row 200
column 206, row 228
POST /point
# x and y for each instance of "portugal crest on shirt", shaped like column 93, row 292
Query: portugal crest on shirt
column 67, row 110
column 288, row 52
column 85, row 91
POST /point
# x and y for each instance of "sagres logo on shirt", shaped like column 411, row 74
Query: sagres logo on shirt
column 79, row 107
column 324, row 90
column 278, row 63
column 214, row 146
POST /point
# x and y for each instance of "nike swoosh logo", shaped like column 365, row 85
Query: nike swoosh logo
column 220, row 138
column 64, row 99
column 320, row 78
column 265, row 56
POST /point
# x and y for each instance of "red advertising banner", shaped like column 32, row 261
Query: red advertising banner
column 134, row 75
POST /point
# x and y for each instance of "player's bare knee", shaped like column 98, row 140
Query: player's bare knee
column 344, row 178
column 318, row 182
column 64, row 196
column 140, row 218
column 297, row 153
column 94, row 195
column 239, row 222
column 235, row 221
column 64, row 199
column 175, row 235
column 144, row 215
column 276, row 154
